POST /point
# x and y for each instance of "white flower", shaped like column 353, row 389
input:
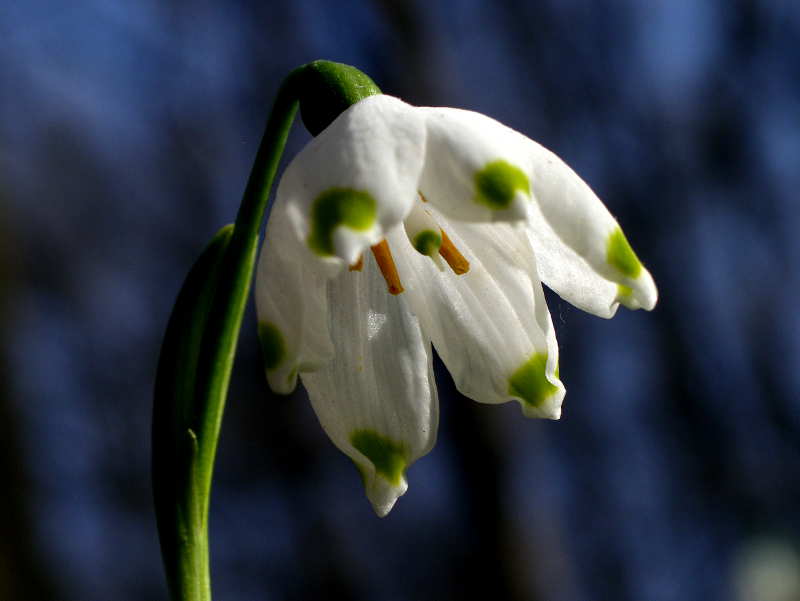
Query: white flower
column 463, row 216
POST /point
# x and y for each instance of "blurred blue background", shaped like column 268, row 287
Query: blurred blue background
column 127, row 130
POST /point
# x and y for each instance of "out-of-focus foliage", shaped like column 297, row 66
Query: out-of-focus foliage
column 127, row 130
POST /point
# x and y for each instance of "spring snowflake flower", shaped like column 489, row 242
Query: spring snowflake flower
column 402, row 226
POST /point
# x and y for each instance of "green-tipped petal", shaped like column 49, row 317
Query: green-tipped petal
column 581, row 250
column 498, row 183
column 476, row 168
column 489, row 322
column 339, row 208
column 355, row 180
column 388, row 457
column 377, row 398
column 529, row 383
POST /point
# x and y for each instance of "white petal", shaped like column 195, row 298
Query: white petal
column 581, row 251
column 291, row 304
column 559, row 267
column 357, row 178
column 475, row 167
column 562, row 269
column 377, row 399
column 579, row 245
column 490, row 326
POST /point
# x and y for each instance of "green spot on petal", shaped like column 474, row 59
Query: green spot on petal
column 620, row 255
column 388, row 456
column 427, row 242
column 624, row 292
column 498, row 182
column 530, row 383
column 338, row 206
column 273, row 347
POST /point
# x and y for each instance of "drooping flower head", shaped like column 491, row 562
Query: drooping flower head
column 399, row 227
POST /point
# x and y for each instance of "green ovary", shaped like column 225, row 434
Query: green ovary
column 529, row 382
column 498, row 182
column 338, row 206
column 273, row 347
column 427, row 242
column 388, row 456
column 620, row 255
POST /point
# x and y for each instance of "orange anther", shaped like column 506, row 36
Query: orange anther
column 451, row 254
column 385, row 261
column 358, row 265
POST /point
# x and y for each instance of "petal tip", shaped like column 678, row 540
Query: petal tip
column 549, row 408
column 540, row 412
column 282, row 381
column 640, row 294
column 382, row 463
column 382, row 495
column 651, row 297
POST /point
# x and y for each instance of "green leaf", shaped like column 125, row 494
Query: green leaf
column 177, row 491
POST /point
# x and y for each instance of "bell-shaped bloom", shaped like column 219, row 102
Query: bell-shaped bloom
column 399, row 227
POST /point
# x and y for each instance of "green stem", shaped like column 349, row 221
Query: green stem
column 199, row 347
column 222, row 330
column 195, row 368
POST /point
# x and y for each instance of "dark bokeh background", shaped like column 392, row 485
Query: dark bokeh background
column 127, row 130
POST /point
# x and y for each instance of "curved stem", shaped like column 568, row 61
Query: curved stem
column 197, row 354
column 195, row 367
column 222, row 330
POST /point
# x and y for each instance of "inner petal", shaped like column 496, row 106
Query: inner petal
column 490, row 326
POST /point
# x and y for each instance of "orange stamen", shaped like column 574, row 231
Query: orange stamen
column 358, row 265
column 422, row 196
column 454, row 258
column 385, row 261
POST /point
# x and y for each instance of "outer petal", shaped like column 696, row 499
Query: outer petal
column 579, row 244
column 562, row 269
column 490, row 326
column 475, row 167
column 357, row 178
column 292, row 305
column 581, row 251
column 377, row 399
column 569, row 275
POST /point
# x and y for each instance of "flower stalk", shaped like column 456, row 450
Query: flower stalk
column 199, row 345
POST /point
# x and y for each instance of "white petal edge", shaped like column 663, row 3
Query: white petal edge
column 291, row 305
column 572, row 227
